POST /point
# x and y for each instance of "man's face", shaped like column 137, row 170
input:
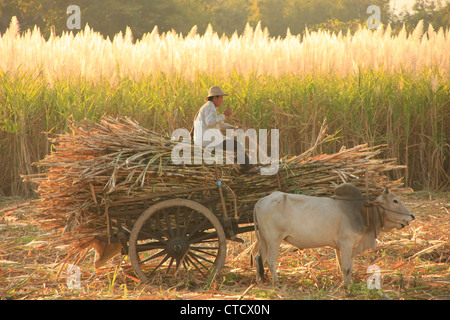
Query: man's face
column 218, row 100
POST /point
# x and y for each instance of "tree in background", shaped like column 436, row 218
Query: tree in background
column 47, row 15
column 108, row 16
column 435, row 13
column 226, row 16
column 279, row 15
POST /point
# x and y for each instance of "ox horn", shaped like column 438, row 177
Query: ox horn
column 386, row 190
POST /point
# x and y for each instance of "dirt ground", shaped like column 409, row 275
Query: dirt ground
column 413, row 263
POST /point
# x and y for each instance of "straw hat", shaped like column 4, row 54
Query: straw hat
column 216, row 91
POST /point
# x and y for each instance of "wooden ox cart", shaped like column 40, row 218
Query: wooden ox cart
column 112, row 186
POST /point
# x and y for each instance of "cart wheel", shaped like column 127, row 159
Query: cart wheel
column 177, row 235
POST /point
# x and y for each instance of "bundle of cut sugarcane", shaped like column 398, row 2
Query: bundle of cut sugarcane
column 116, row 160
column 98, row 163
column 317, row 174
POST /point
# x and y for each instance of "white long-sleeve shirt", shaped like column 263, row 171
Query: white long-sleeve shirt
column 208, row 120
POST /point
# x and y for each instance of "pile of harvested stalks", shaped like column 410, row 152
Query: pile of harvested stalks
column 117, row 160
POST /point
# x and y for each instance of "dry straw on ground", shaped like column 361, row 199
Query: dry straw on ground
column 414, row 264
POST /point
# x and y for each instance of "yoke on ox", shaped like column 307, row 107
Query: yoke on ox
column 346, row 222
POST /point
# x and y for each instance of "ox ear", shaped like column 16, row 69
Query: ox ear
column 375, row 202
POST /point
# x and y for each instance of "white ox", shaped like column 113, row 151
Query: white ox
column 346, row 222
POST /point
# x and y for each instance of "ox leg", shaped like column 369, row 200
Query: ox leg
column 261, row 254
column 258, row 258
column 346, row 263
column 338, row 260
column 272, row 259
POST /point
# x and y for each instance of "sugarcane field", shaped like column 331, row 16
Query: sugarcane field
column 225, row 155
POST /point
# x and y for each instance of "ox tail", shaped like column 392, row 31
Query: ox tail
column 258, row 259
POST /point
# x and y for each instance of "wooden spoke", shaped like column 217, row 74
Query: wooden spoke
column 203, row 251
column 150, row 246
column 156, row 255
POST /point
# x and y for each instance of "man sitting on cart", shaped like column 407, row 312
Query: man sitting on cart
column 208, row 119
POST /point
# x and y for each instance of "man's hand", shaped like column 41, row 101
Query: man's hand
column 228, row 112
